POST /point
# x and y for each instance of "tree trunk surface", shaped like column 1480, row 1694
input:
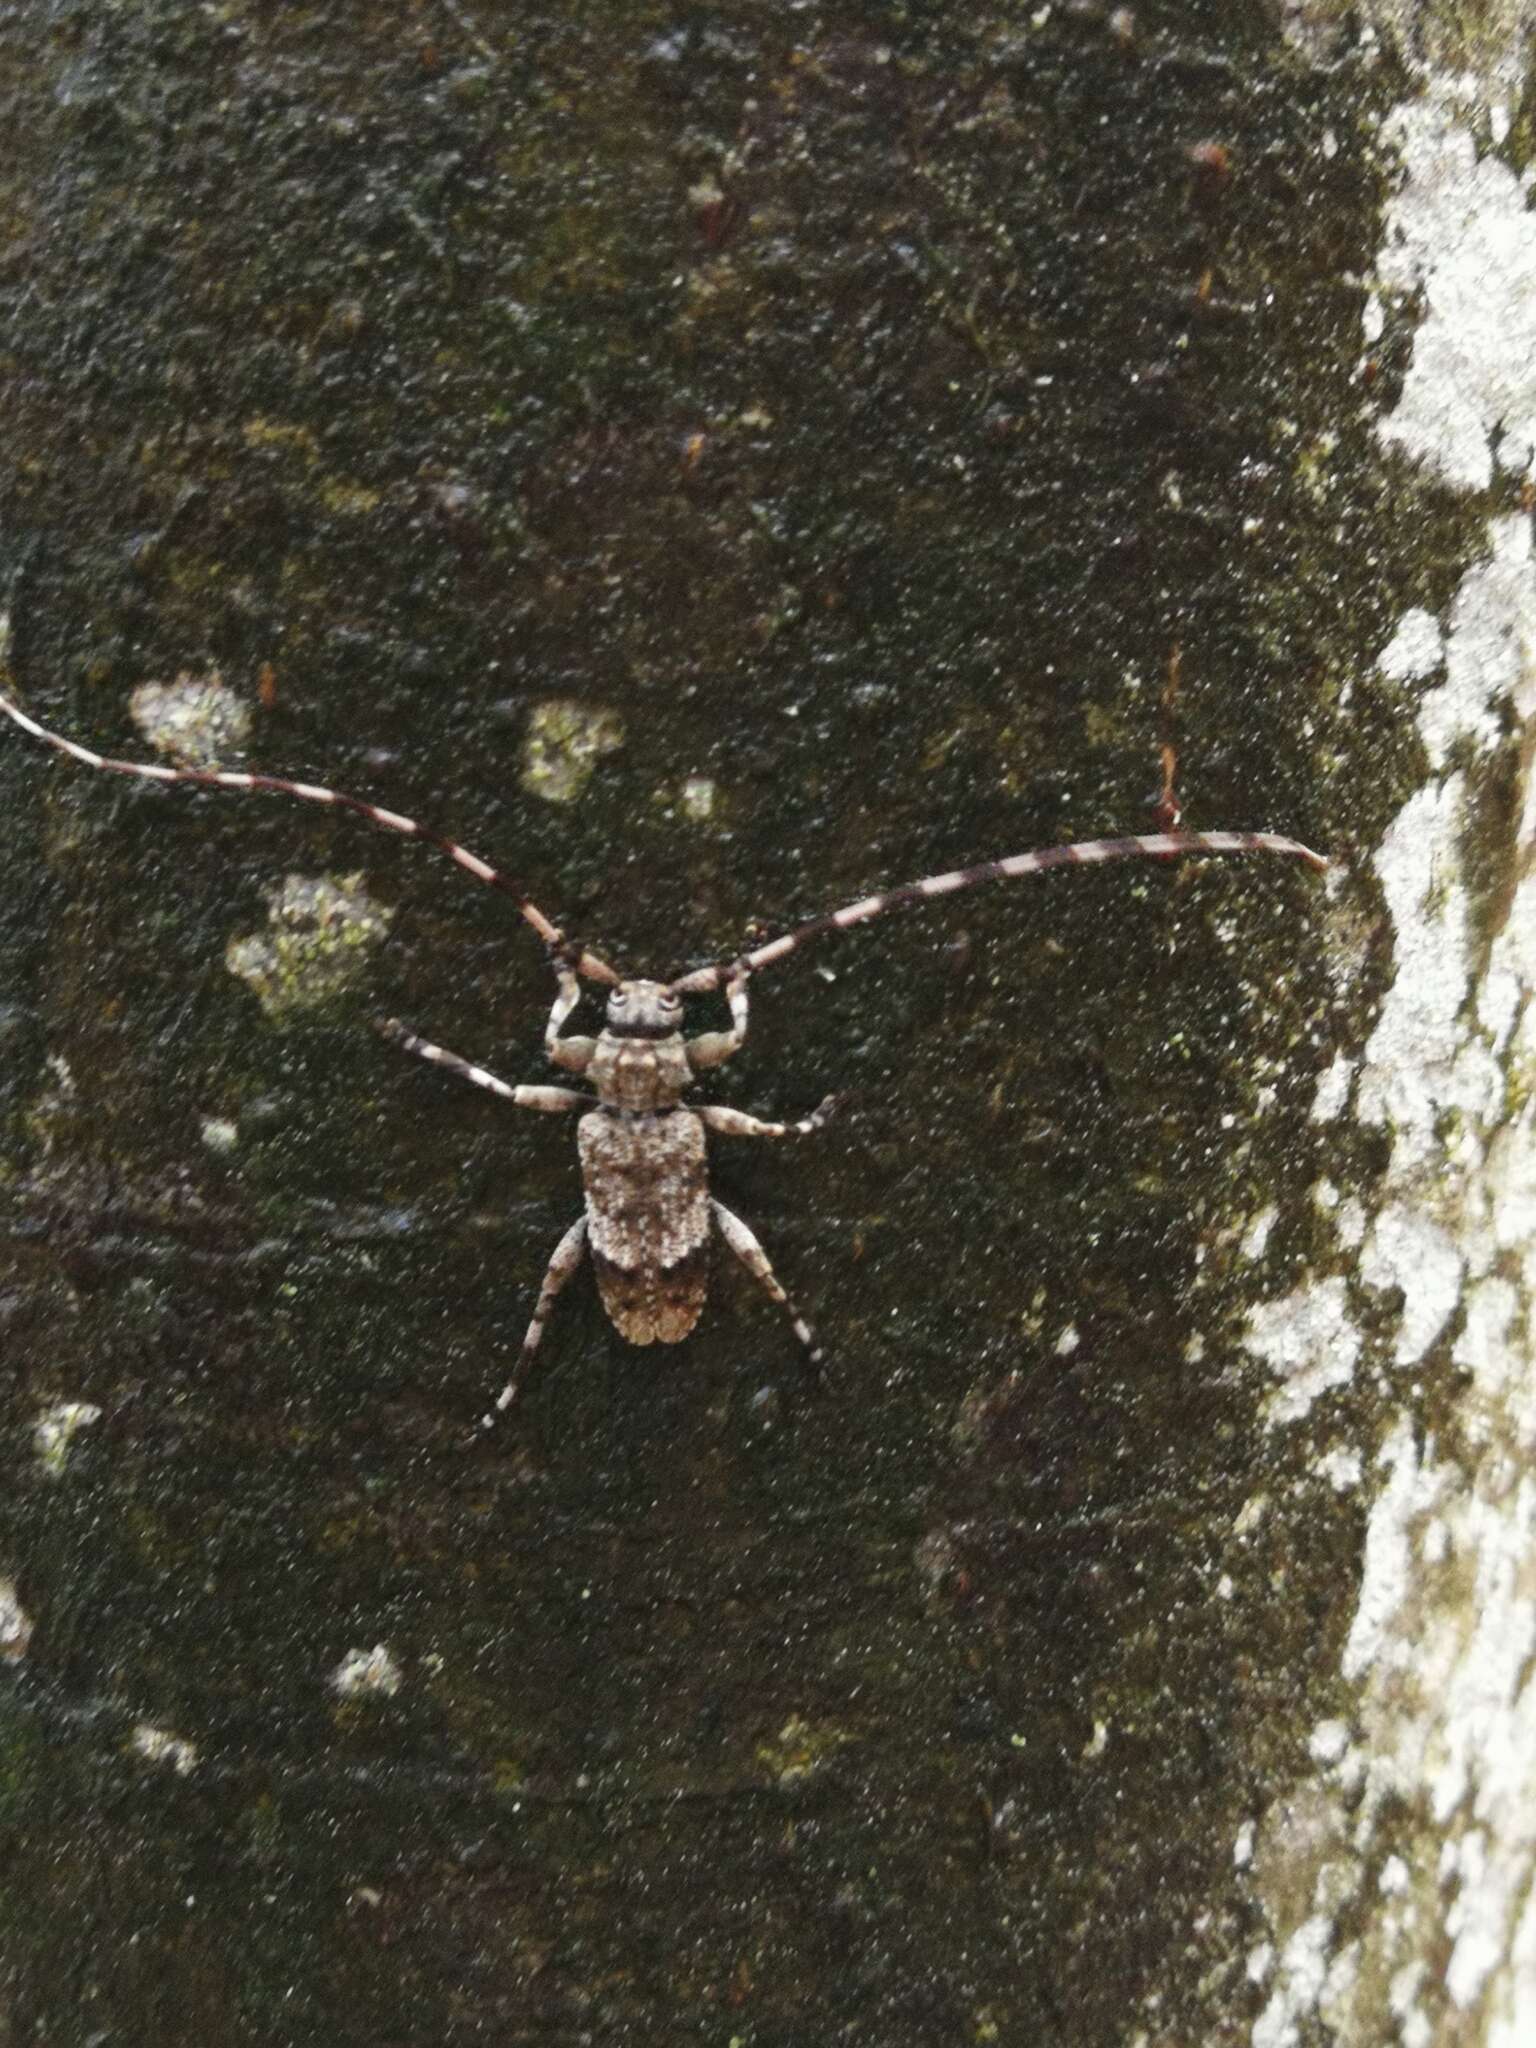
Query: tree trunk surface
column 718, row 463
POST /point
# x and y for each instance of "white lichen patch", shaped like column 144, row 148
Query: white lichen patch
column 1300, row 1862
column 1440, row 1652
column 320, row 930
column 1488, row 1348
column 1461, row 244
column 1507, row 1189
column 698, row 798
column 1511, row 973
column 1256, row 1236
column 1333, row 1089
column 1488, row 651
column 15, row 1622
column 695, row 799
column 196, row 721
column 1403, row 1503
column 1350, row 1224
column 564, row 743
column 1421, row 1065
column 1444, row 1640
column 1341, row 1469
column 1301, row 1970
column 1415, row 650
column 1328, row 1742
column 1442, row 1645
column 367, row 1672
column 219, row 1133
column 160, row 1746
column 1407, row 1250
column 1309, row 1341
column 56, row 1429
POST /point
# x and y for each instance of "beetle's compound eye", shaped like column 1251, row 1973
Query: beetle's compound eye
column 618, row 999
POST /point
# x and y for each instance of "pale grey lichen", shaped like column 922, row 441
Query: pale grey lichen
column 15, row 1622
column 1404, row 1497
column 1489, row 667
column 1441, row 1649
column 1257, row 1235
column 1333, row 1089
column 697, row 798
column 1461, row 244
column 564, row 743
column 1485, row 1347
column 1444, row 1629
column 1328, row 1741
column 1341, row 1468
column 197, row 721
column 1419, row 1063
column 1407, row 1250
column 160, row 1746
column 320, row 930
column 1415, row 650
column 56, row 1428
column 363, row 1672
column 1308, row 1339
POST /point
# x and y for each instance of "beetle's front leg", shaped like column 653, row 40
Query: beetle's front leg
column 525, row 1098
column 712, row 1048
column 574, row 1054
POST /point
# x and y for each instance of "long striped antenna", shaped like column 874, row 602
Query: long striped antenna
column 582, row 961
column 1086, row 853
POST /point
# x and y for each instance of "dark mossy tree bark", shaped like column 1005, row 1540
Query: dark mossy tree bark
column 717, row 462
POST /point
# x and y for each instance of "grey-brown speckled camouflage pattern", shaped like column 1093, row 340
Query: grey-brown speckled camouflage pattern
column 647, row 1190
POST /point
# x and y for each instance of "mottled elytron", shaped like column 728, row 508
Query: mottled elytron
column 648, row 1214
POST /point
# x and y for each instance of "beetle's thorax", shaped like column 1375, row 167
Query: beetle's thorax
column 640, row 1063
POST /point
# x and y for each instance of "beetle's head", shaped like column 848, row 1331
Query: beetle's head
column 644, row 1009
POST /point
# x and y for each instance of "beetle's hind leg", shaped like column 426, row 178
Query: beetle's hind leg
column 567, row 1257
column 751, row 1254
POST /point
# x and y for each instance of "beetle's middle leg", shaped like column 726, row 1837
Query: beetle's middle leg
column 567, row 1257
column 735, row 1123
column 755, row 1259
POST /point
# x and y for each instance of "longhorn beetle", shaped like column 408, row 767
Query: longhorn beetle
column 648, row 1213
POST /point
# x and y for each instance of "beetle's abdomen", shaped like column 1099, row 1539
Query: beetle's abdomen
column 647, row 1220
